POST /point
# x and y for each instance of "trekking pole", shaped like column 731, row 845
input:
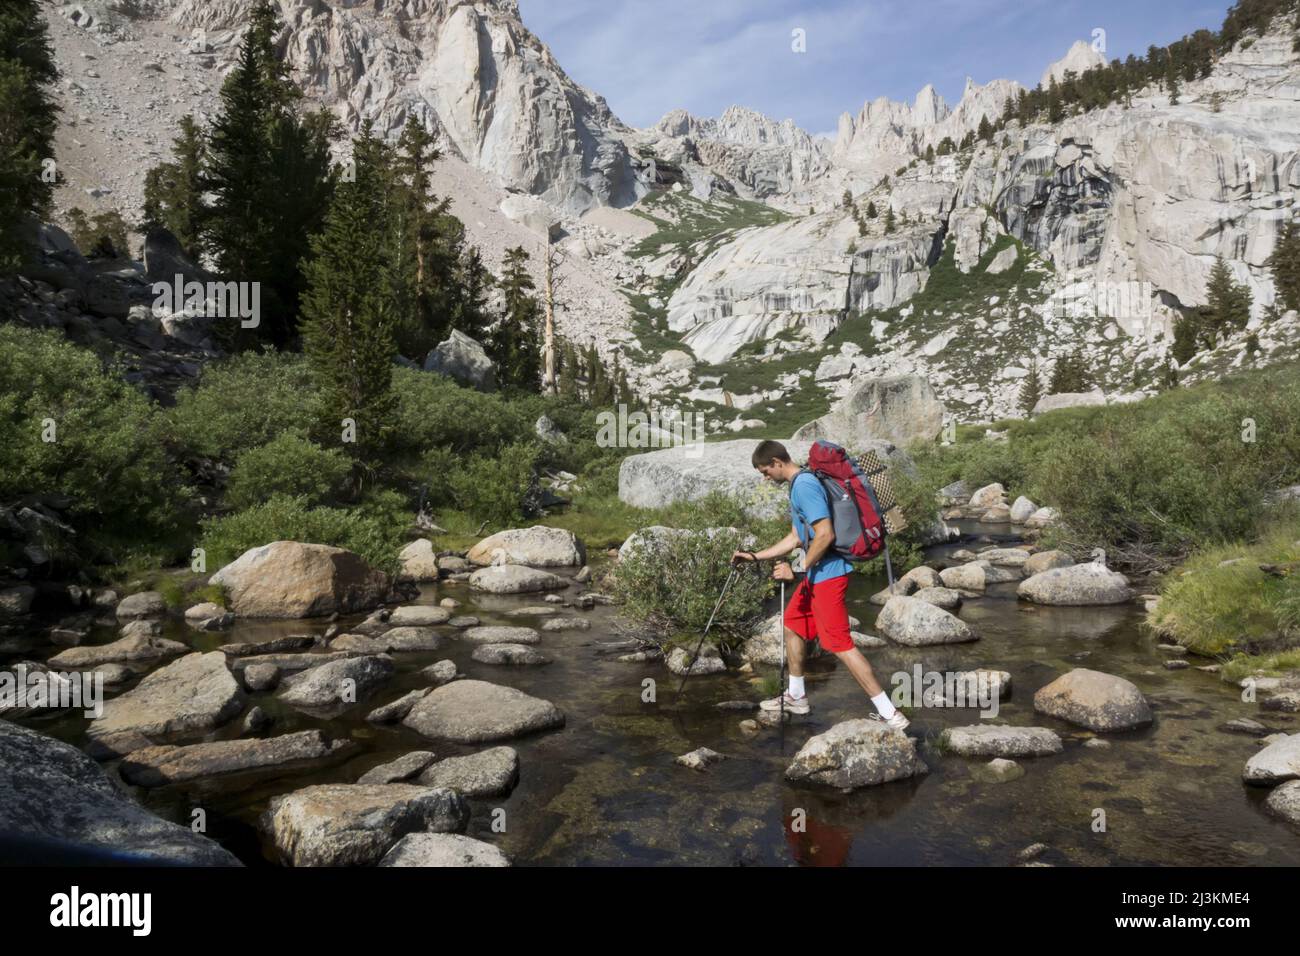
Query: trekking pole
column 781, row 637
column 690, row 668
column 889, row 570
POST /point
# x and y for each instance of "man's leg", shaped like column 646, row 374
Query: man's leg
column 861, row 670
column 832, row 617
column 794, row 653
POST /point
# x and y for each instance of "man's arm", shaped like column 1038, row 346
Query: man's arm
column 780, row 549
column 823, row 538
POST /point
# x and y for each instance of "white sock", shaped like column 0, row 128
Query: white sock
column 884, row 705
column 796, row 686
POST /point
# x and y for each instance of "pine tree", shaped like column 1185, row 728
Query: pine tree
column 1070, row 375
column 270, row 177
column 28, row 119
column 985, row 129
column 173, row 191
column 847, row 200
column 568, row 371
column 929, row 153
column 1031, row 390
column 349, row 308
column 871, row 210
column 1228, row 305
column 890, row 221
column 1284, row 264
column 1171, row 81
column 515, row 344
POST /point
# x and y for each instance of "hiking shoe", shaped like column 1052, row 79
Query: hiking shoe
column 793, row 705
column 897, row 722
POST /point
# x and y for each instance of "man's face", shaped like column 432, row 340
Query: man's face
column 772, row 471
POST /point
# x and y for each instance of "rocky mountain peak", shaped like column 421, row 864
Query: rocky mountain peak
column 1080, row 59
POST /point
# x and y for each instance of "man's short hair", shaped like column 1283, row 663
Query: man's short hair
column 769, row 450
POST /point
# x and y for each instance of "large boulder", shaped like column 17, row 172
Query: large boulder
column 1076, row 586
column 192, row 695
column 1100, row 702
column 916, row 623
column 463, row 359
column 51, row 791
column 661, row 478
column 159, row 766
column 474, row 711
column 900, row 409
column 288, row 579
column 344, row 824
column 536, row 547
column 443, row 849
column 515, row 579
column 165, row 260
column 1050, row 403
column 857, row 753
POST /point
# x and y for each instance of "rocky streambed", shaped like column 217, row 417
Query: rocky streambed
column 514, row 727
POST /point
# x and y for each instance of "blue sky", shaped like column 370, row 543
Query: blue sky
column 649, row 56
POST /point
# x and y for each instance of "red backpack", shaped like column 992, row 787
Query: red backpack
column 855, row 512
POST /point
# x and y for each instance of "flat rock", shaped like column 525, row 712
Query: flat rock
column 128, row 649
column 509, row 654
column 700, row 759
column 392, row 712
column 338, row 684
column 1284, row 802
column 194, row 694
column 498, row 634
column 472, row 712
column 159, row 766
column 144, row 604
column 946, row 598
column 419, row 615
column 400, row 770
column 344, row 824
column 857, row 753
column 965, row 577
column 277, row 645
column 489, row 773
column 440, row 673
column 566, row 624
column 399, row 639
column 995, row 740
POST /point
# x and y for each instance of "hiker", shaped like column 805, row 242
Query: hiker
column 816, row 610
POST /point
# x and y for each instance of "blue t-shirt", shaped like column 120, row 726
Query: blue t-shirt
column 808, row 505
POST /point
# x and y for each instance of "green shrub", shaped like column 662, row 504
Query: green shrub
column 107, row 463
column 500, row 490
column 374, row 529
column 287, row 465
column 434, row 412
column 1220, row 602
column 674, row 583
column 243, row 403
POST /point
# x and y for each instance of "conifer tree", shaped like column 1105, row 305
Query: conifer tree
column 28, row 119
column 1031, row 390
column 270, row 177
column 1228, row 305
column 173, row 191
column 890, row 221
column 515, row 343
column 348, row 308
column 1070, row 374
column 871, row 210
column 1284, row 264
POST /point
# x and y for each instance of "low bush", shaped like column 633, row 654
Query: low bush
column 287, row 465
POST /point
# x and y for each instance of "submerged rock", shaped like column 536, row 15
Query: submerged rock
column 128, row 649
column 995, row 740
column 700, row 759
column 500, row 634
column 402, row 769
column 509, row 654
column 159, row 766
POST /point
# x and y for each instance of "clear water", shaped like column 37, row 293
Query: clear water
column 605, row 788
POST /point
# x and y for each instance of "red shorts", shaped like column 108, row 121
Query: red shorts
column 819, row 613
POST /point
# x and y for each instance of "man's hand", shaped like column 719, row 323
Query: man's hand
column 738, row 556
column 782, row 571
